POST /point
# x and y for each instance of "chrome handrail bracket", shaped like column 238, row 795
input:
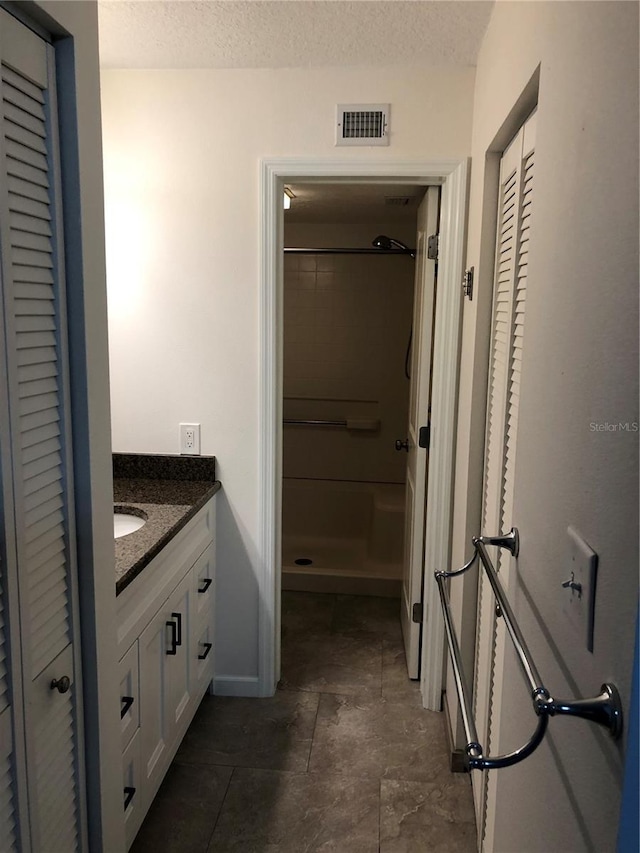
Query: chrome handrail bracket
column 604, row 709
column 510, row 541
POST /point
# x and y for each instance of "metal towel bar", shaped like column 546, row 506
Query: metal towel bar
column 604, row 709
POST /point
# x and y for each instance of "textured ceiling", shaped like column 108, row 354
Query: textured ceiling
column 289, row 33
column 353, row 203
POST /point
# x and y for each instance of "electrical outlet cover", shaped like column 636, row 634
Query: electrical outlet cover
column 189, row 439
column 579, row 606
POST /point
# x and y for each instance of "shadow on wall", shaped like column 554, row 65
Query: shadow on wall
column 237, row 597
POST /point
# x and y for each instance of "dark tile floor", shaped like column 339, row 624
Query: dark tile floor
column 343, row 759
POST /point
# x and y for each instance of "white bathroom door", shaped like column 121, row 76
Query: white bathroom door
column 420, row 393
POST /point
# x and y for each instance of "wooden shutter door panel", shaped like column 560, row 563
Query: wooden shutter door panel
column 514, row 228
column 35, row 328
column 505, row 265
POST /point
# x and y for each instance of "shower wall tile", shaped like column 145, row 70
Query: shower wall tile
column 347, row 320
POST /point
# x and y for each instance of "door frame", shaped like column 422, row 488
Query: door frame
column 452, row 175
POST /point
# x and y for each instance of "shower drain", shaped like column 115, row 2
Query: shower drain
column 303, row 561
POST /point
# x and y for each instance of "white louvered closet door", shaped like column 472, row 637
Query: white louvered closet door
column 42, row 560
column 503, row 395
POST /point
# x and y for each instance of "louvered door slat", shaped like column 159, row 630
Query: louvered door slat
column 40, row 434
column 51, row 639
column 47, row 609
column 39, row 403
column 42, row 528
column 17, row 99
column 47, row 561
column 23, row 136
column 41, row 449
column 34, row 340
column 20, row 188
column 29, row 257
column 28, row 240
column 37, row 371
column 34, row 549
column 34, row 322
column 8, row 816
column 55, row 576
column 32, row 274
column 4, row 683
column 39, row 419
column 38, row 387
column 35, row 354
column 26, row 172
column 33, row 224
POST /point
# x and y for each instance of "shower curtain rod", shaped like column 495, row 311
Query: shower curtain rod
column 364, row 251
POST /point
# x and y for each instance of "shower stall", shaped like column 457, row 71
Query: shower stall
column 347, row 332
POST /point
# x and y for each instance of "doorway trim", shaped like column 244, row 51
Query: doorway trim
column 452, row 176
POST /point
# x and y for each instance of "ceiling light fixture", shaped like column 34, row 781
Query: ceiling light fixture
column 288, row 195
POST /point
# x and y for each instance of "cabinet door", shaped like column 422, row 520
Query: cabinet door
column 165, row 683
column 154, row 730
column 204, row 579
column 132, row 789
column 179, row 666
column 203, row 658
column 129, row 695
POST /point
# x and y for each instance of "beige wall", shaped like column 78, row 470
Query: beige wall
column 182, row 154
column 579, row 368
column 347, row 320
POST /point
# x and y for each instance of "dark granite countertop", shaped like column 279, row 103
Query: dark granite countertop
column 167, row 491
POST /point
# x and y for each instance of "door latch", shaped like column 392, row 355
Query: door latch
column 416, row 612
column 467, row 283
column 424, row 436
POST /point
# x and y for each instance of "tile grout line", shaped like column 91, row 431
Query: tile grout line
column 224, row 799
column 379, row 813
column 313, row 734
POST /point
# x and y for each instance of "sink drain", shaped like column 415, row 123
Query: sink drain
column 303, row 561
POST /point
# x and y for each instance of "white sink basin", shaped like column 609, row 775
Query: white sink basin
column 125, row 522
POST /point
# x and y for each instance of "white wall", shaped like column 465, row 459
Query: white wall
column 182, row 154
column 580, row 367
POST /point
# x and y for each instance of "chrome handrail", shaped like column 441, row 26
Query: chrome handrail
column 306, row 422
column 604, row 709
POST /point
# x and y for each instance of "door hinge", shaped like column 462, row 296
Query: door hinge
column 424, row 436
column 416, row 612
column 433, row 246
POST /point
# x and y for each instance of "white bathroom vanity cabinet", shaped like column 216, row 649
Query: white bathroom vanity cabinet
column 165, row 647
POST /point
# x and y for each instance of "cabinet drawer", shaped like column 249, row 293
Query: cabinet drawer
column 132, row 789
column 203, row 654
column 129, row 695
column 203, row 577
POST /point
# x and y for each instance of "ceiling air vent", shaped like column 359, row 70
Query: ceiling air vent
column 362, row 124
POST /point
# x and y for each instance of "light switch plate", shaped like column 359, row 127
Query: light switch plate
column 579, row 605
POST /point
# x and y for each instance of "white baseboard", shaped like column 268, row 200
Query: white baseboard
column 236, row 685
